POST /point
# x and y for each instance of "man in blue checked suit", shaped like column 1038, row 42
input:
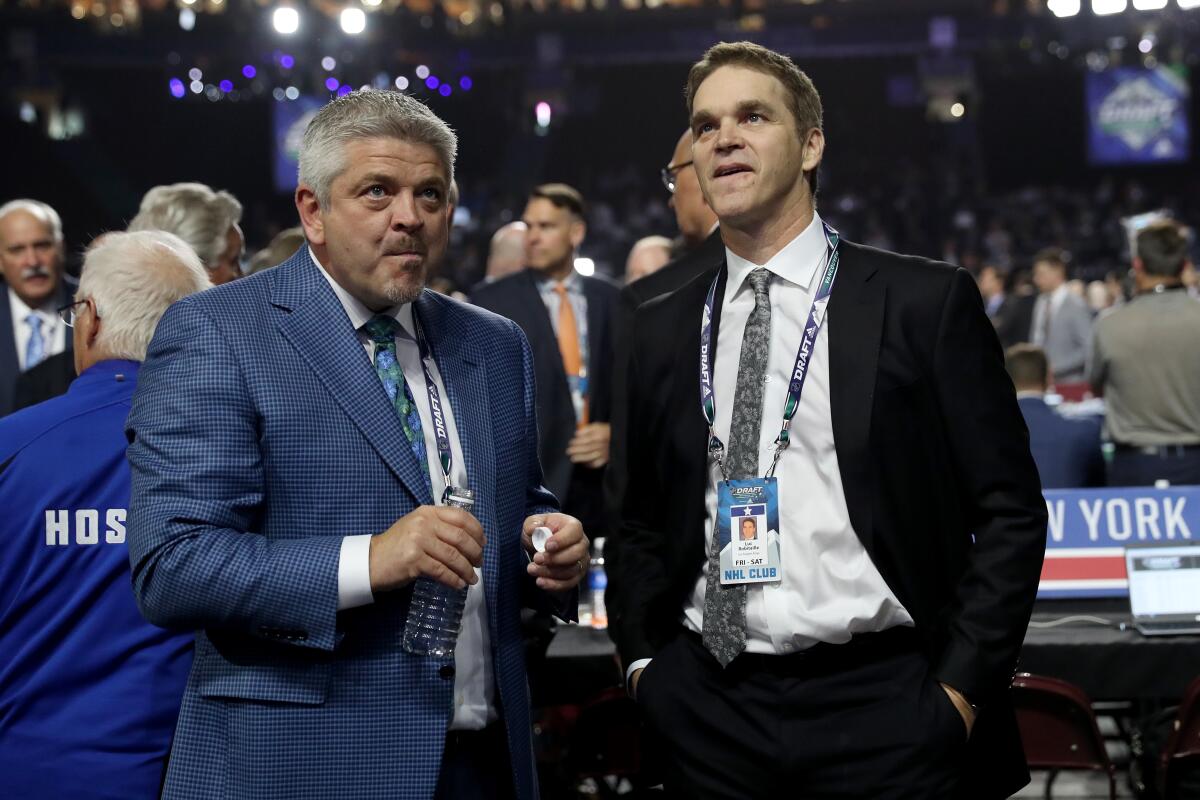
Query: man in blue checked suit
column 287, row 476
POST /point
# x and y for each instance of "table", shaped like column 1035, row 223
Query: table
column 1108, row 663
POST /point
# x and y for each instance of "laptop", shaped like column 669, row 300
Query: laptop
column 1164, row 588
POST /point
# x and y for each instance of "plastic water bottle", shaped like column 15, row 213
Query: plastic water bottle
column 435, row 612
column 597, row 582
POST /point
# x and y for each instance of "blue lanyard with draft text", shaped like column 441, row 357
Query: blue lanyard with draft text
column 440, row 433
column 816, row 316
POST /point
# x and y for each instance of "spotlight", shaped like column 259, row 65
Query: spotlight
column 187, row 19
column 286, row 20
column 542, row 112
column 585, row 267
column 402, row 83
column 354, row 21
column 177, row 88
column 1063, row 8
column 422, row 72
column 958, row 110
column 1149, row 5
column 329, row 63
column 1102, row 8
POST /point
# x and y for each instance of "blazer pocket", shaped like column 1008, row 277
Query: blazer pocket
column 236, row 667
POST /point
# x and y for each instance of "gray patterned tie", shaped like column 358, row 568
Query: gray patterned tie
column 725, row 606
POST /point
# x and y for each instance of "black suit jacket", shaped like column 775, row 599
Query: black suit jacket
column 935, row 464
column 516, row 297
column 674, row 275
column 48, row 379
column 10, row 364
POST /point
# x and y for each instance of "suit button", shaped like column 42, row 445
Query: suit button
column 446, row 671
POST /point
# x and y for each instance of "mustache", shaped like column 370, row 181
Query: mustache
column 406, row 244
column 34, row 272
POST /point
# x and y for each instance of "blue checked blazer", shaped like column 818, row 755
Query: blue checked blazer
column 260, row 435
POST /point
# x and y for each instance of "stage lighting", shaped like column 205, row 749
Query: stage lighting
column 1149, row 5
column 354, row 21
column 286, row 20
column 1102, row 8
column 1063, row 8
column 585, row 267
column 1186, row 4
column 329, row 63
column 422, row 72
column 187, row 19
column 958, row 110
column 401, row 83
column 542, row 112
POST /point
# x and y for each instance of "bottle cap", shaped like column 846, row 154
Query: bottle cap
column 539, row 537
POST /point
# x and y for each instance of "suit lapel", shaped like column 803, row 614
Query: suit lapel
column 596, row 328
column 687, row 393
column 318, row 328
column 10, row 363
column 855, row 330
column 461, row 365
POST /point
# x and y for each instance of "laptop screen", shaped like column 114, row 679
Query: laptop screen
column 1164, row 581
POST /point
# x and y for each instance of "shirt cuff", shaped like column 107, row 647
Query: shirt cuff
column 354, row 573
column 634, row 667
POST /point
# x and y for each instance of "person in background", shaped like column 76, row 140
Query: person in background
column 89, row 691
column 31, row 257
column 1061, row 323
column 647, row 256
column 208, row 220
column 568, row 320
column 283, row 246
column 1067, row 451
column 506, row 253
column 1146, row 363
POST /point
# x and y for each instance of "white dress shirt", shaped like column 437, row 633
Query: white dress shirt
column 830, row 589
column 474, row 684
column 53, row 331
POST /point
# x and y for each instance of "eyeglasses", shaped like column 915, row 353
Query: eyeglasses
column 68, row 314
column 669, row 172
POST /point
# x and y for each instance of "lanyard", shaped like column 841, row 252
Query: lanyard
column 445, row 457
column 816, row 316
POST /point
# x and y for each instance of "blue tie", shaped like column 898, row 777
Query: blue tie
column 382, row 330
column 35, row 351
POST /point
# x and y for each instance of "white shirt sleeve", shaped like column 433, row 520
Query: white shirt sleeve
column 634, row 667
column 354, row 573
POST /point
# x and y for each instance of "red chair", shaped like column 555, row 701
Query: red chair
column 1183, row 744
column 1058, row 728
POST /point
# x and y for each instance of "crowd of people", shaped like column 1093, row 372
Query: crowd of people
column 273, row 460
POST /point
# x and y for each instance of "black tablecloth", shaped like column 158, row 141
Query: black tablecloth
column 1108, row 663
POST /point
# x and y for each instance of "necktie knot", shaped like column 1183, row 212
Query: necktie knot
column 382, row 329
column 34, row 321
column 560, row 289
column 760, row 282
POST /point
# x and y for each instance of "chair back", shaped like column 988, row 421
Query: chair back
column 1183, row 743
column 1058, row 728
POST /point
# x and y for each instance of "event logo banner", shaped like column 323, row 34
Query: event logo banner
column 1138, row 116
column 291, row 117
column 1089, row 530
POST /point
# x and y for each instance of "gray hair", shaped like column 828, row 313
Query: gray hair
column 40, row 211
column 194, row 213
column 368, row 114
column 132, row 278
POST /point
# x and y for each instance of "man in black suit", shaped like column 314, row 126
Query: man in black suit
column 31, row 256
column 910, row 521
column 567, row 319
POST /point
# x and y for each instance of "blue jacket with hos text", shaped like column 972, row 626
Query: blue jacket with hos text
column 89, row 690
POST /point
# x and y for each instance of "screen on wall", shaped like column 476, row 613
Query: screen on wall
column 1138, row 116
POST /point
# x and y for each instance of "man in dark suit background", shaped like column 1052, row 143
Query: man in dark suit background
column 702, row 247
column 567, row 319
column 1067, row 451
column 911, row 522
column 31, row 256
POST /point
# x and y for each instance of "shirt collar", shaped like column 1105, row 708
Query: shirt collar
column 20, row 310
column 358, row 313
column 797, row 262
column 573, row 282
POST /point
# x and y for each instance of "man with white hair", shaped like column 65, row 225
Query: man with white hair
column 31, row 257
column 89, row 690
column 648, row 255
column 207, row 220
column 291, row 436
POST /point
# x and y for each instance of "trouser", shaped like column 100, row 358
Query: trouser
column 860, row 720
column 476, row 766
column 1135, row 466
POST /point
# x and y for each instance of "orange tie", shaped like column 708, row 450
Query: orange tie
column 568, row 343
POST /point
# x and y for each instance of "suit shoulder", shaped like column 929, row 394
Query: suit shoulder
column 904, row 267
column 507, row 286
column 52, row 421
